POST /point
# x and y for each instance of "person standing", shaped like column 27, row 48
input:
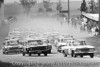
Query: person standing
column 96, row 31
column 83, row 6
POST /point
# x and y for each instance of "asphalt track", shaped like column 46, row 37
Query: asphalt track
column 41, row 24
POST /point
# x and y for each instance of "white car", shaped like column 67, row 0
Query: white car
column 62, row 41
column 12, row 45
column 78, row 48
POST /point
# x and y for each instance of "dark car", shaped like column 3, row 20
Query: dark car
column 35, row 46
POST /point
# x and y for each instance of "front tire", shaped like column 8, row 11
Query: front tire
column 45, row 54
column 65, row 55
column 72, row 53
column 30, row 54
column 81, row 56
column 5, row 52
column 49, row 51
column 23, row 54
column 39, row 54
column 92, row 55
column 75, row 55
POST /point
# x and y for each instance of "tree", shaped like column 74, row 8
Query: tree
column 46, row 4
column 1, row 1
column 27, row 4
column 59, row 7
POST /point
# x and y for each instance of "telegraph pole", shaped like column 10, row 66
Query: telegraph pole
column 99, row 17
column 68, row 11
column 1, row 9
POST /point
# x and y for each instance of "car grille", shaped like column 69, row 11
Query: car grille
column 38, row 48
column 85, row 50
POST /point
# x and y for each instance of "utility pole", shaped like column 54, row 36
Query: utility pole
column 99, row 17
column 68, row 11
column 1, row 9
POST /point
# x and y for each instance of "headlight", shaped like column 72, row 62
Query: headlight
column 92, row 49
column 46, row 47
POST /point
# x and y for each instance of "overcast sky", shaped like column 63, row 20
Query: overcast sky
column 11, row 1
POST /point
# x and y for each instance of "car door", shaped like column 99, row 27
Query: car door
column 70, row 46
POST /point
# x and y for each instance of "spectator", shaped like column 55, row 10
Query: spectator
column 84, row 22
column 83, row 6
column 96, row 31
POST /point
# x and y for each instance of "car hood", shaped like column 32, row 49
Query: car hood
column 28, row 46
column 77, row 47
column 62, row 43
column 10, row 46
column 86, row 46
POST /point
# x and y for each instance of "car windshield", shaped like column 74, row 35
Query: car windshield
column 62, row 40
column 35, row 42
column 12, row 43
column 79, row 43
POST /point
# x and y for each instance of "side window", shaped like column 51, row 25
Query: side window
column 82, row 43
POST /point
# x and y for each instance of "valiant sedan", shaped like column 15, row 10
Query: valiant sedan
column 78, row 48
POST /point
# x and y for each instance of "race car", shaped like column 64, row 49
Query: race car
column 12, row 46
column 62, row 41
column 78, row 48
column 35, row 46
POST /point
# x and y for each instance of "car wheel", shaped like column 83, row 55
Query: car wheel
column 65, row 55
column 23, row 54
column 75, row 55
column 45, row 54
column 39, row 54
column 92, row 55
column 5, row 52
column 49, row 51
column 81, row 56
column 72, row 54
column 29, row 54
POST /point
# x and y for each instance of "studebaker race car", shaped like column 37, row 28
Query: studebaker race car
column 35, row 46
column 12, row 46
column 78, row 48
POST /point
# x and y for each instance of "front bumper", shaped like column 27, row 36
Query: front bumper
column 37, row 51
column 84, row 53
